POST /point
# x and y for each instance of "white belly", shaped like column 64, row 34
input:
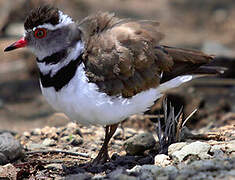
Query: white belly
column 82, row 102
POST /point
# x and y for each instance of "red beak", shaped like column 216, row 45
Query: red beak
column 18, row 44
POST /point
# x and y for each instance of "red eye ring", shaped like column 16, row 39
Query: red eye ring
column 40, row 33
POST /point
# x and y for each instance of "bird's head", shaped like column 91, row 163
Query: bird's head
column 47, row 30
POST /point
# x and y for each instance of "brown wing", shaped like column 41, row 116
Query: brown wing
column 123, row 56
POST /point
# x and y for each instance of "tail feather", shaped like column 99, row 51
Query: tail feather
column 188, row 55
column 210, row 70
column 189, row 62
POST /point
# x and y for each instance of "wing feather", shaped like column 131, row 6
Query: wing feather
column 123, row 56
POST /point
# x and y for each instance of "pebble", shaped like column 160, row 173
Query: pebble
column 49, row 142
column 10, row 148
column 176, row 147
column 67, row 138
column 218, row 147
column 218, row 150
column 72, row 125
column 139, row 143
column 26, row 134
column 8, row 171
column 33, row 146
column 54, row 166
column 230, row 147
column 162, row 160
column 76, row 142
column 152, row 169
column 232, row 154
column 36, row 132
column 196, row 148
column 48, row 131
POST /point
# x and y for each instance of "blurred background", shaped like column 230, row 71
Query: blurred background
column 206, row 25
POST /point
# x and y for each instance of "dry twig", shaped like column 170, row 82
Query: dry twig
column 58, row 151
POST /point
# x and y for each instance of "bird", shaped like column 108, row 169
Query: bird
column 103, row 69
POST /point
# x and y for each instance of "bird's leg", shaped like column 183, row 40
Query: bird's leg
column 103, row 155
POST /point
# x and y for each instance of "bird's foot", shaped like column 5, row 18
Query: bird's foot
column 103, row 155
column 101, row 158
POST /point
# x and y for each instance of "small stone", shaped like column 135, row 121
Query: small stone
column 76, row 142
column 33, row 146
column 67, row 138
column 9, row 147
column 218, row 147
column 36, row 132
column 217, row 153
column 196, row 148
column 26, row 134
column 8, row 172
column 72, row 125
column 217, row 150
column 150, row 168
column 54, row 166
column 230, row 147
column 49, row 142
column 48, row 131
column 139, row 143
column 162, row 160
column 176, row 147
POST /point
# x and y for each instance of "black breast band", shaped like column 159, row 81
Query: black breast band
column 62, row 77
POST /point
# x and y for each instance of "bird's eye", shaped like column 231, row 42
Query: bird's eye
column 40, row 33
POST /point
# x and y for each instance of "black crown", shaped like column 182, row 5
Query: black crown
column 42, row 15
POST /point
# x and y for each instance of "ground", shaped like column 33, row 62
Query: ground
column 204, row 25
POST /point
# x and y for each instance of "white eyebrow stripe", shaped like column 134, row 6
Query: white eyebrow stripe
column 49, row 26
